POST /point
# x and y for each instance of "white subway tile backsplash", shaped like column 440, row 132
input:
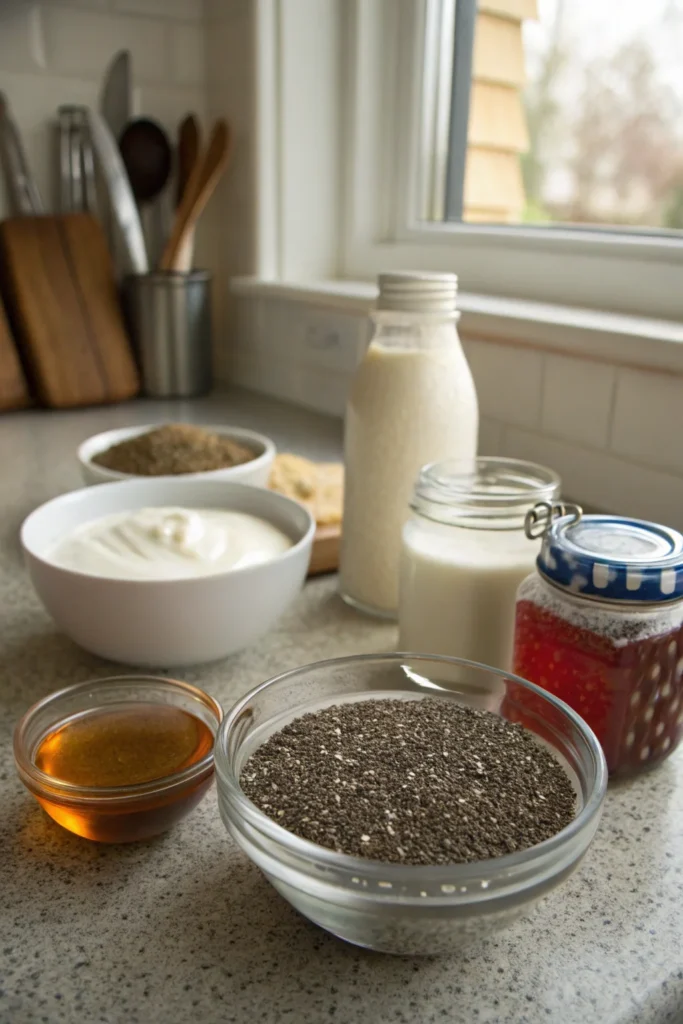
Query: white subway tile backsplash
column 577, row 400
column 83, row 42
column 169, row 104
column 329, row 343
column 57, row 51
column 248, row 319
column 508, row 381
column 323, row 391
column 601, row 480
column 230, row 48
column 33, row 100
column 92, row 5
column 188, row 54
column 490, row 436
column 648, row 418
column 22, row 39
column 569, row 402
column 184, row 10
column 235, row 12
column 279, row 378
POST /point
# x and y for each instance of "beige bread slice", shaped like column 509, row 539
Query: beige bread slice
column 329, row 493
column 317, row 485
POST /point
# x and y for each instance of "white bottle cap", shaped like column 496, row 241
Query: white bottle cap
column 418, row 292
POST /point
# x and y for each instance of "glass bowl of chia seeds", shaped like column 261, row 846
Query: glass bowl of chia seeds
column 410, row 804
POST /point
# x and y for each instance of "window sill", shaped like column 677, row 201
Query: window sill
column 620, row 339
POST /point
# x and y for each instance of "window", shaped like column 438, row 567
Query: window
column 554, row 112
column 544, row 163
column 533, row 146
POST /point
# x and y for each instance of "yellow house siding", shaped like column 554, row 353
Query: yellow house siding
column 497, row 118
column 493, row 180
column 483, row 216
column 497, row 133
column 517, row 10
column 498, row 53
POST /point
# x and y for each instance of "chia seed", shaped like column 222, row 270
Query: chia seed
column 410, row 782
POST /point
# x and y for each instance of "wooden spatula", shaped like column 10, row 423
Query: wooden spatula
column 200, row 187
column 189, row 145
column 189, row 142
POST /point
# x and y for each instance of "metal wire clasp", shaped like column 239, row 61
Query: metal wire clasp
column 538, row 519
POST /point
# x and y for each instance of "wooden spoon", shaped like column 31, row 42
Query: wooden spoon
column 189, row 144
column 203, row 179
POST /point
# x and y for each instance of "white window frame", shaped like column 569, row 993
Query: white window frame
column 637, row 272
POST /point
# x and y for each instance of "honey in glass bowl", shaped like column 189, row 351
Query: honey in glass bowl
column 119, row 759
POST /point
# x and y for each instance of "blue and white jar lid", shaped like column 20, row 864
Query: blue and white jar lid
column 611, row 558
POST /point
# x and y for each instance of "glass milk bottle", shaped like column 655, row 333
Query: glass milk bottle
column 465, row 552
column 412, row 401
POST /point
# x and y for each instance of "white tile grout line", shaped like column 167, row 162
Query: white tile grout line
column 617, row 456
column 551, row 436
column 612, row 407
column 544, row 371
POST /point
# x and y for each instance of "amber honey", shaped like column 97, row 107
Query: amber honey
column 135, row 744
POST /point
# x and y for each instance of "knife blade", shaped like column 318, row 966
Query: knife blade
column 64, row 121
column 121, row 199
column 21, row 183
column 115, row 98
column 90, row 196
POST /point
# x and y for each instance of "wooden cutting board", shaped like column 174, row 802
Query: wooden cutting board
column 14, row 392
column 325, row 550
column 61, row 298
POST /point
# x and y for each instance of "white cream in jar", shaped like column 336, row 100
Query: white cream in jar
column 464, row 555
column 169, row 543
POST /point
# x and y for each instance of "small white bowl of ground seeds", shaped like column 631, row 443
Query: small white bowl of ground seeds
column 407, row 803
column 177, row 449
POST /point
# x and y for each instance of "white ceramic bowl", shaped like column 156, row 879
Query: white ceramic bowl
column 254, row 472
column 166, row 623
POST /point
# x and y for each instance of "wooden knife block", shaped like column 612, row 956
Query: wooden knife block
column 13, row 387
column 61, row 297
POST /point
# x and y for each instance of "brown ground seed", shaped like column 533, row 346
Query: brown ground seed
column 174, row 449
column 411, row 782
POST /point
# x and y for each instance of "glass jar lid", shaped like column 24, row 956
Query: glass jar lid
column 483, row 493
column 611, row 558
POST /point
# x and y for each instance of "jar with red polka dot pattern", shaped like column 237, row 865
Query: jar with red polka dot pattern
column 600, row 625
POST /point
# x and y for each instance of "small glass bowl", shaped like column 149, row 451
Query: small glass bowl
column 115, row 814
column 409, row 910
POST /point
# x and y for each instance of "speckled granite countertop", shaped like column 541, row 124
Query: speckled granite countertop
column 184, row 929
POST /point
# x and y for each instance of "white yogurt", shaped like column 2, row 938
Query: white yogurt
column 169, row 543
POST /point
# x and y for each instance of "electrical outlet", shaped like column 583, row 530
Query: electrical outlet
column 330, row 340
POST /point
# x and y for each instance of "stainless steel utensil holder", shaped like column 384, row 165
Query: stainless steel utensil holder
column 169, row 317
